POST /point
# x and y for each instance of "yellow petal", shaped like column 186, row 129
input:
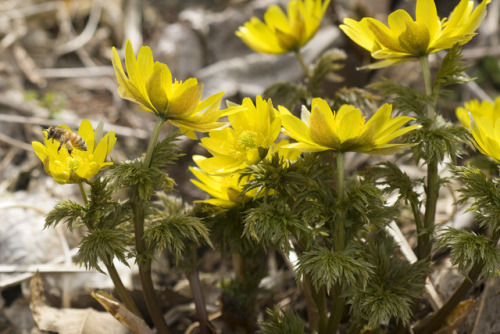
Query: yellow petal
column 86, row 132
column 321, row 124
column 104, row 147
column 159, row 83
column 133, row 70
column 275, row 17
column 186, row 99
column 359, row 33
column 383, row 34
column 145, row 61
column 348, row 123
column 426, row 14
column 296, row 129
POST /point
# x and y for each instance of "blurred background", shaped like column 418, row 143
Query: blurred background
column 55, row 68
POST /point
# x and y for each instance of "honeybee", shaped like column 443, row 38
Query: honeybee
column 67, row 138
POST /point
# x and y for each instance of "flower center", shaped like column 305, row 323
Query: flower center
column 72, row 163
column 247, row 140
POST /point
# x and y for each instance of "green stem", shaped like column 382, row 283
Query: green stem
column 435, row 321
column 122, row 292
column 340, row 235
column 303, row 64
column 199, row 302
column 320, row 298
column 84, row 194
column 144, row 259
column 426, row 72
column 338, row 303
column 338, row 311
column 193, row 277
column 238, row 267
column 425, row 233
column 313, row 305
column 152, row 142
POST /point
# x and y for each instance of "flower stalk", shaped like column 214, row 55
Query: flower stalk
column 197, row 292
column 143, row 259
column 84, row 194
column 426, row 72
column 425, row 234
column 304, row 66
column 122, row 292
column 340, row 232
column 338, row 302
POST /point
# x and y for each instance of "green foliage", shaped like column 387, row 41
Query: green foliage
column 301, row 195
column 404, row 98
column 287, row 94
column 268, row 224
column 364, row 205
column 487, row 71
column 173, row 229
column 147, row 180
column 434, row 143
column 132, row 173
column 328, row 268
column 102, row 211
column 358, row 97
column 324, row 67
column 103, row 217
column 390, row 178
column 226, row 229
column 391, row 288
column 282, row 322
column 166, row 152
column 468, row 248
column 103, row 245
column 68, row 212
column 451, row 71
column 485, row 194
column 291, row 94
column 269, row 175
column 300, row 181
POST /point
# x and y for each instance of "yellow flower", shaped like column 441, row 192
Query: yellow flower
column 281, row 33
column 225, row 190
column 80, row 165
column 483, row 120
column 252, row 133
column 344, row 130
column 150, row 85
column 404, row 38
column 477, row 110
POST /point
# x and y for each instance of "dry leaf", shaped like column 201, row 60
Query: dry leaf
column 457, row 316
column 121, row 313
column 69, row 321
